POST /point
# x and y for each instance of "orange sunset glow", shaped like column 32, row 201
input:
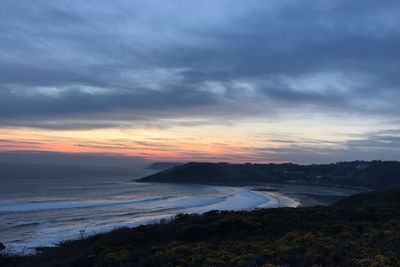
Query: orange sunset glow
column 256, row 141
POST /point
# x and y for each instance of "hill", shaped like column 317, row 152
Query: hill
column 163, row 165
column 362, row 230
column 373, row 174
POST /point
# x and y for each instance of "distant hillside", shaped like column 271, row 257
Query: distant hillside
column 390, row 198
column 373, row 174
column 163, row 165
column 362, row 230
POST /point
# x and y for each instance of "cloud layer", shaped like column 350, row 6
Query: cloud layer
column 66, row 60
column 133, row 64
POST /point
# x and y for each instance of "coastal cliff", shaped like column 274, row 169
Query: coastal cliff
column 372, row 174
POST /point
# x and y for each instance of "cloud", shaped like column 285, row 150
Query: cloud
column 80, row 65
column 93, row 63
column 383, row 145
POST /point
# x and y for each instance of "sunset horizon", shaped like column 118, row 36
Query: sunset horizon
column 127, row 80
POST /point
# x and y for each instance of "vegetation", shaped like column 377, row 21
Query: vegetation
column 373, row 174
column 362, row 230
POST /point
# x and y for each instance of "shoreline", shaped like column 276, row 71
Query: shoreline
column 242, row 198
column 292, row 196
column 307, row 195
column 274, row 234
column 285, row 201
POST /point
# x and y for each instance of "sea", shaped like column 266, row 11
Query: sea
column 44, row 205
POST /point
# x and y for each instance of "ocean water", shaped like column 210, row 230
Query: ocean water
column 45, row 205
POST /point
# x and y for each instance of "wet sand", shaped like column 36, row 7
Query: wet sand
column 297, row 195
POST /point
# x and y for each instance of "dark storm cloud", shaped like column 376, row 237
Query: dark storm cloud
column 93, row 64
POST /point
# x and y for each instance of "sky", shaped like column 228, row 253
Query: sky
column 180, row 80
